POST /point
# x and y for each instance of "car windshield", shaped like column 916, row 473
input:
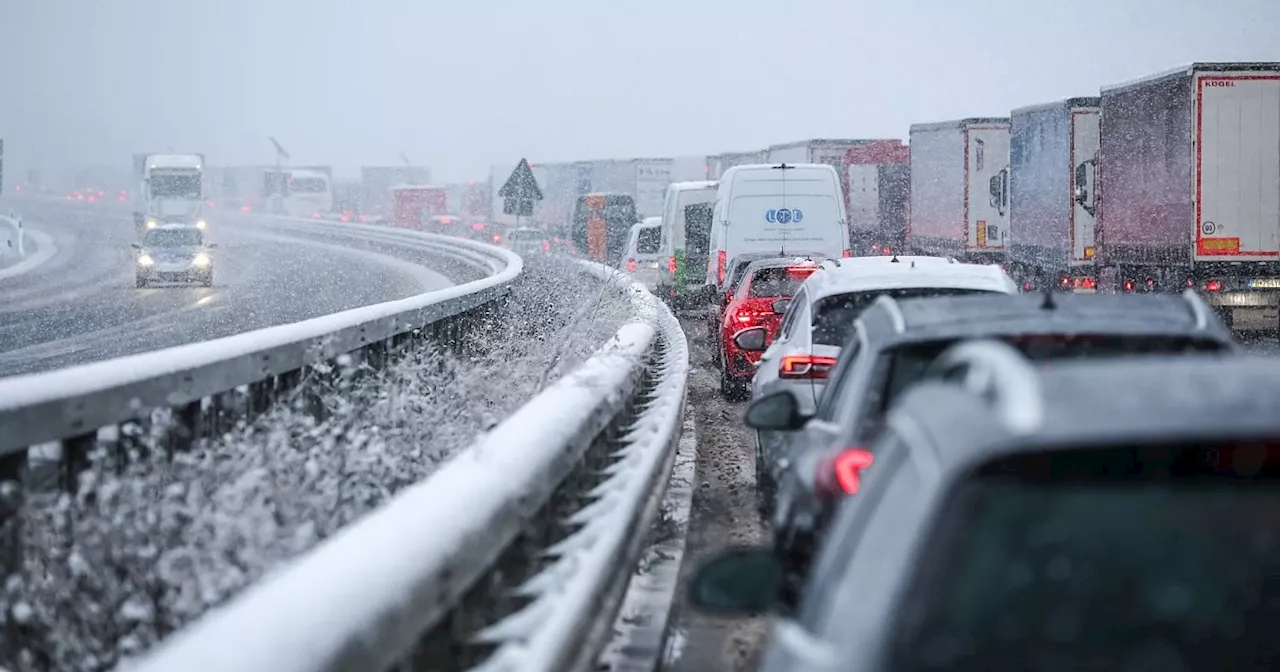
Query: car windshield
column 777, row 282
column 648, row 240
column 173, row 238
column 1134, row 558
column 833, row 316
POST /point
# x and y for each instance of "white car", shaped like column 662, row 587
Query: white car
column 528, row 240
column 820, row 318
column 643, row 256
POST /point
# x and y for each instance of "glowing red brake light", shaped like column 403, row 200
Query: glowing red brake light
column 811, row 367
column 842, row 475
column 1213, row 286
column 847, row 254
column 497, row 238
column 1128, row 285
column 722, row 258
column 800, row 271
column 631, row 265
column 477, row 227
column 315, row 215
column 671, row 264
column 546, row 246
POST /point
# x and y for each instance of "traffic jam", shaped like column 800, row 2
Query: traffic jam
column 1026, row 418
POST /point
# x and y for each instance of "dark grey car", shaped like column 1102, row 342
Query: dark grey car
column 173, row 254
column 1115, row 515
column 892, row 344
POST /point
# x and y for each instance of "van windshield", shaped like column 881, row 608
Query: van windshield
column 697, row 240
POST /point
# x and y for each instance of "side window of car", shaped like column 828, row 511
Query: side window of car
column 845, row 535
column 789, row 321
column 869, row 416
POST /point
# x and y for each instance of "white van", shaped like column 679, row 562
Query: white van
column 782, row 208
column 642, row 259
column 686, row 229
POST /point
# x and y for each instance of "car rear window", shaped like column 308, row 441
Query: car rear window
column 648, row 240
column 1126, row 558
column 833, row 316
column 777, row 282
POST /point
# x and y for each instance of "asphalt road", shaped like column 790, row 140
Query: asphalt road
column 82, row 305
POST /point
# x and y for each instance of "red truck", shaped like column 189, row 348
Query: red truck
column 1188, row 188
column 413, row 203
column 876, row 178
column 1053, row 159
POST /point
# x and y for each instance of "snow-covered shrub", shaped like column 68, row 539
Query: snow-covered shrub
column 148, row 544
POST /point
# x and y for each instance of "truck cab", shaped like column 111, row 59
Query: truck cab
column 171, row 191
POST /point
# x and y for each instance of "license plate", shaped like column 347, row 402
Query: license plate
column 1264, row 283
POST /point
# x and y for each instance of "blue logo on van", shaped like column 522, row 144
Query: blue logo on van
column 783, row 215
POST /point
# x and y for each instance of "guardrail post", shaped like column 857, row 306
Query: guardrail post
column 13, row 469
column 75, row 459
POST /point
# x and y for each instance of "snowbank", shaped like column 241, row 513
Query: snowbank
column 146, row 547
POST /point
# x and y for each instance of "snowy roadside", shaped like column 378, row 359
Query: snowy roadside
column 139, row 552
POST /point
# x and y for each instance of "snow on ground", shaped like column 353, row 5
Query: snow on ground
column 145, row 548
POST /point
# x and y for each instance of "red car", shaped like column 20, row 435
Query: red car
column 761, row 300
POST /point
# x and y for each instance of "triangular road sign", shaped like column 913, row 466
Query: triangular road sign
column 522, row 185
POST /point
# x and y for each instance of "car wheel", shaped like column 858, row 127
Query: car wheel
column 139, row 281
column 207, row 280
column 731, row 388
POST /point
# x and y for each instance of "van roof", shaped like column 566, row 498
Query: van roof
column 695, row 185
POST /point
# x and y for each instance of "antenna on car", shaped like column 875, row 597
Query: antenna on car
column 913, row 263
column 894, row 260
column 1048, row 303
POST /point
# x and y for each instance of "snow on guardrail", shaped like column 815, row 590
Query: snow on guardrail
column 456, row 548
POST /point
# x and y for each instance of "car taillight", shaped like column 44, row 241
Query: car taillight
column 811, row 367
column 631, row 265
column 546, row 246
column 477, row 227
column 1128, row 285
column 847, row 254
column 315, row 215
column 721, row 259
column 841, row 475
column 497, row 238
column 1213, row 286
column 671, row 264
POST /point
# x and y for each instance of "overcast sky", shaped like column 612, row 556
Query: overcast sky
column 461, row 84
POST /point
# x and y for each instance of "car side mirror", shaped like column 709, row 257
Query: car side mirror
column 780, row 306
column 751, row 339
column 779, row 412
column 739, row 582
column 136, row 246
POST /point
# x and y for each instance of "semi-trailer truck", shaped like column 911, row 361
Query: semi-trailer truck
column 959, row 189
column 876, row 178
column 1189, row 188
column 171, row 190
column 1053, row 159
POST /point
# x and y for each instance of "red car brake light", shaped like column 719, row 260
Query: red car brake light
column 805, row 367
column 546, row 246
column 841, row 475
column 671, row 264
column 631, row 265
column 722, row 258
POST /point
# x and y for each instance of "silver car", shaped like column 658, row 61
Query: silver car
column 820, row 320
column 173, row 253
column 528, row 240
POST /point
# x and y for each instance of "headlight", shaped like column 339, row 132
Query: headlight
column 151, row 223
column 145, row 260
column 200, row 223
column 202, row 259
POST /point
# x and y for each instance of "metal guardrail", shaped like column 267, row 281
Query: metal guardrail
column 211, row 385
column 514, row 555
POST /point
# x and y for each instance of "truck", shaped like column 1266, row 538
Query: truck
column 959, row 189
column 718, row 163
column 1053, row 159
column 376, row 183
column 1188, row 189
column 822, row 150
column 414, row 202
column 876, row 180
column 171, row 190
